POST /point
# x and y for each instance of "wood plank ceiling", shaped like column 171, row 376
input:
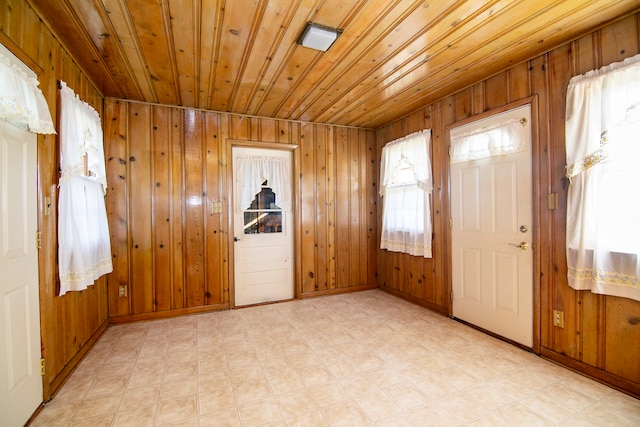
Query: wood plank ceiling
column 241, row 56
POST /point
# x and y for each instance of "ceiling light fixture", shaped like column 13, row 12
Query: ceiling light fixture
column 319, row 37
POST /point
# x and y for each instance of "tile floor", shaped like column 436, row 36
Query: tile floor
column 360, row 359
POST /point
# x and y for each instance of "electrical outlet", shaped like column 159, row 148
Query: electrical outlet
column 122, row 291
column 558, row 318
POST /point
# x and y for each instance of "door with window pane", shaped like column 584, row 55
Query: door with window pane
column 263, row 236
column 492, row 257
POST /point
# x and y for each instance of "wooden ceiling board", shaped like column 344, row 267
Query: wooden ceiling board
column 303, row 11
column 401, row 42
column 456, row 64
column 134, row 65
column 241, row 56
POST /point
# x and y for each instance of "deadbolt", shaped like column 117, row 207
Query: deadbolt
column 523, row 228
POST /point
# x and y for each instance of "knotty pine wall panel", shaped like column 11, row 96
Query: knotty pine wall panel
column 71, row 323
column 174, row 255
column 601, row 333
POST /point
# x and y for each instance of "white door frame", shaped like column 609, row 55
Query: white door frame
column 295, row 172
column 538, row 205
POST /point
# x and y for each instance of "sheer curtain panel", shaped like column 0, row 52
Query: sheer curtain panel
column 83, row 233
column 405, row 186
column 503, row 138
column 21, row 101
column 601, row 131
column 252, row 171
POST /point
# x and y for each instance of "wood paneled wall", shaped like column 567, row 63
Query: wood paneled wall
column 601, row 335
column 167, row 165
column 70, row 324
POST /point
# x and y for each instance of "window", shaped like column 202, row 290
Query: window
column 83, row 232
column 603, row 230
column 264, row 215
column 405, row 185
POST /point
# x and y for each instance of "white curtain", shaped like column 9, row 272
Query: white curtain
column 496, row 140
column 83, row 233
column 252, row 171
column 21, row 101
column 603, row 147
column 405, row 186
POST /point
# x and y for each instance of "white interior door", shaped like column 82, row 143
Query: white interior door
column 20, row 380
column 492, row 260
column 263, row 234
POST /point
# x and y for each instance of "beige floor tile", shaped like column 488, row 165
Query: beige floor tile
column 329, row 393
column 310, row 419
column 252, row 390
column 58, row 412
column 345, row 414
column 141, row 416
column 179, row 409
column 98, row 406
column 219, row 399
column 224, row 417
column 365, row 358
column 296, row 403
column 260, row 412
column 176, row 389
column 140, row 397
column 107, row 385
column 519, row 415
column 377, row 405
column 315, row 375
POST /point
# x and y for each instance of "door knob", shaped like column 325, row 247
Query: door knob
column 524, row 245
column 236, row 239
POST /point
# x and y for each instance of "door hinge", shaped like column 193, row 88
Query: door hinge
column 552, row 201
column 451, row 295
column 39, row 239
column 450, row 222
column 42, row 367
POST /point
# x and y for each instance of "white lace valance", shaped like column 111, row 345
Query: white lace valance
column 252, row 171
column 496, row 140
column 21, row 101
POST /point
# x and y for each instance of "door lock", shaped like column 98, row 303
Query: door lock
column 524, row 245
column 523, row 229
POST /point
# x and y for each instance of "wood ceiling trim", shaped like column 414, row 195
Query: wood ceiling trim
column 92, row 59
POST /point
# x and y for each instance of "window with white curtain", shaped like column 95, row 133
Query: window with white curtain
column 602, row 149
column 84, row 249
column 405, row 186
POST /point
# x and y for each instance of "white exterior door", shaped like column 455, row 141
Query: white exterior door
column 492, row 260
column 263, row 235
column 20, row 380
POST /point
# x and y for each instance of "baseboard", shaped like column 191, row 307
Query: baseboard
column 426, row 304
column 628, row 387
